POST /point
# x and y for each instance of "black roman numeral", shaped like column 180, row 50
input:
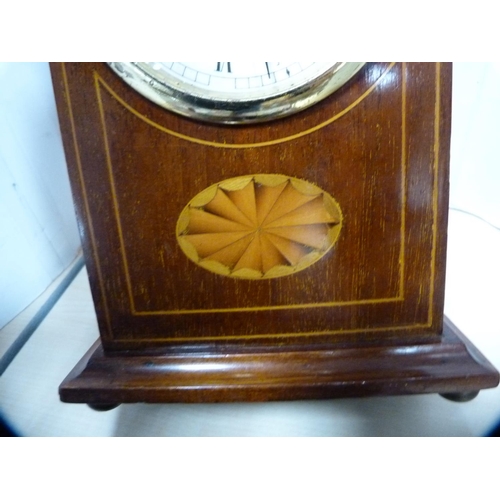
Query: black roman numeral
column 222, row 65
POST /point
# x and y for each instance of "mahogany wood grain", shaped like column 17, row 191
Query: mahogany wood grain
column 451, row 366
column 383, row 156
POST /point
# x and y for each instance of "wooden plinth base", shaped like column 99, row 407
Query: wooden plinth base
column 450, row 367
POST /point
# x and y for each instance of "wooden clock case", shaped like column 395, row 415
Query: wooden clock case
column 364, row 319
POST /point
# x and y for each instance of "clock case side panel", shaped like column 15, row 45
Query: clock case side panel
column 440, row 200
column 80, row 202
column 442, row 191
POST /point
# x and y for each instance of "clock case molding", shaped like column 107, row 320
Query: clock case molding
column 366, row 319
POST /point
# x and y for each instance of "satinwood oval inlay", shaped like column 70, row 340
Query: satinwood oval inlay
column 259, row 226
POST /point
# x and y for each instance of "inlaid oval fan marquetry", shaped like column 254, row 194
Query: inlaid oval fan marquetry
column 260, row 226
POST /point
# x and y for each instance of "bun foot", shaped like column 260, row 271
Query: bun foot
column 103, row 407
column 460, row 397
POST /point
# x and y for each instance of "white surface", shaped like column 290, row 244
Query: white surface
column 38, row 232
column 475, row 158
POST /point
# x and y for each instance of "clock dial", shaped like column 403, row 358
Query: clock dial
column 238, row 81
column 236, row 92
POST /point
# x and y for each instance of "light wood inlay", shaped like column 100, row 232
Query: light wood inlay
column 260, row 226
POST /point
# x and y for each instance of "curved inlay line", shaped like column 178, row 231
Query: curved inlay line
column 101, row 82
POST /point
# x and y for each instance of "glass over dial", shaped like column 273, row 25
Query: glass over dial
column 236, row 92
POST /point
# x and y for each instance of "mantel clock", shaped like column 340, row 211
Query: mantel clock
column 263, row 231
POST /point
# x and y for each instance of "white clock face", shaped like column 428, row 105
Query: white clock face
column 236, row 92
column 238, row 80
